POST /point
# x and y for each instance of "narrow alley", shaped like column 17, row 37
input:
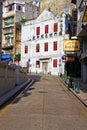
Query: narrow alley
column 46, row 105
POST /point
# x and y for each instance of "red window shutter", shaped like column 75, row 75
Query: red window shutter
column 37, row 48
column 38, row 64
column 26, row 49
column 55, row 27
column 38, row 31
column 55, row 46
column 55, row 63
column 46, row 47
column 28, row 64
column 60, row 60
column 46, row 29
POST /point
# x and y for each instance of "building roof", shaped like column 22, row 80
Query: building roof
column 44, row 16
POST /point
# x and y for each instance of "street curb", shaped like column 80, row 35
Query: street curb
column 13, row 91
column 78, row 98
column 74, row 93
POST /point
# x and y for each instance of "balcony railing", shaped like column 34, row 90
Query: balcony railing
column 7, row 46
column 8, row 31
column 9, row 13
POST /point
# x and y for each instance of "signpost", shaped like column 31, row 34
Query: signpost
column 28, row 63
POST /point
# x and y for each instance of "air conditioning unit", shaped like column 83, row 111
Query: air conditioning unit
column 33, row 37
column 60, row 33
column 50, row 34
column 46, row 36
column 38, row 36
column 55, row 33
column 29, row 39
column 42, row 36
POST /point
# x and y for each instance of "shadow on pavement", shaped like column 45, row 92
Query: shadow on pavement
column 25, row 92
column 35, row 77
column 83, row 86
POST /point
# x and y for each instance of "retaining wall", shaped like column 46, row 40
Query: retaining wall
column 10, row 77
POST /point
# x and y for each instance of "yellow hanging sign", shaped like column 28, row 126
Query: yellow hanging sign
column 71, row 45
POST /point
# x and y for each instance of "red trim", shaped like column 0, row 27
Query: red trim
column 46, row 29
column 55, row 46
column 60, row 60
column 28, row 64
column 38, row 31
column 55, row 27
column 46, row 47
column 38, row 64
column 55, row 63
column 26, row 49
column 37, row 48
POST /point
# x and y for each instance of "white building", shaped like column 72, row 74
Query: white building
column 42, row 44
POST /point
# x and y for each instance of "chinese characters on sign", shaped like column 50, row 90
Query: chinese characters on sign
column 71, row 45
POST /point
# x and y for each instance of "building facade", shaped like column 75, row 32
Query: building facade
column 14, row 14
column 0, row 28
column 72, row 46
column 42, row 44
column 58, row 7
column 82, row 35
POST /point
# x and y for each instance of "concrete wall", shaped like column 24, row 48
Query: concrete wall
column 10, row 77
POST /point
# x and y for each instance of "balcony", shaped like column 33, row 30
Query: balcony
column 8, row 31
column 9, row 14
column 7, row 46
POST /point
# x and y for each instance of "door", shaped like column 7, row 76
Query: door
column 45, row 67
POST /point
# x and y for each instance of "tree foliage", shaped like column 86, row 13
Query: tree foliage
column 17, row 57
column 23, row 20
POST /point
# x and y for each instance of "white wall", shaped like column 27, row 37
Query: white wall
column 28, row 31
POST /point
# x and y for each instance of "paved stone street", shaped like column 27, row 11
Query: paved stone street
column 46, row 105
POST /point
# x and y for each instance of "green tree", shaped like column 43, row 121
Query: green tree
column 23, row 20
column 49, row 9
column 17, row 57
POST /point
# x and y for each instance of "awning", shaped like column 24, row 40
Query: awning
column 45, row 59
column 7, row 56
column 8, row 47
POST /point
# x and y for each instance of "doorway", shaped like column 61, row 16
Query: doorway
column 45, row 67
column 73, row 69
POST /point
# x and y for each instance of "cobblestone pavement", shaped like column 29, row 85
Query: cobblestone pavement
column 46, row 105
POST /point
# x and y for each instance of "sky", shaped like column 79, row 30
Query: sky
column 37, row 0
